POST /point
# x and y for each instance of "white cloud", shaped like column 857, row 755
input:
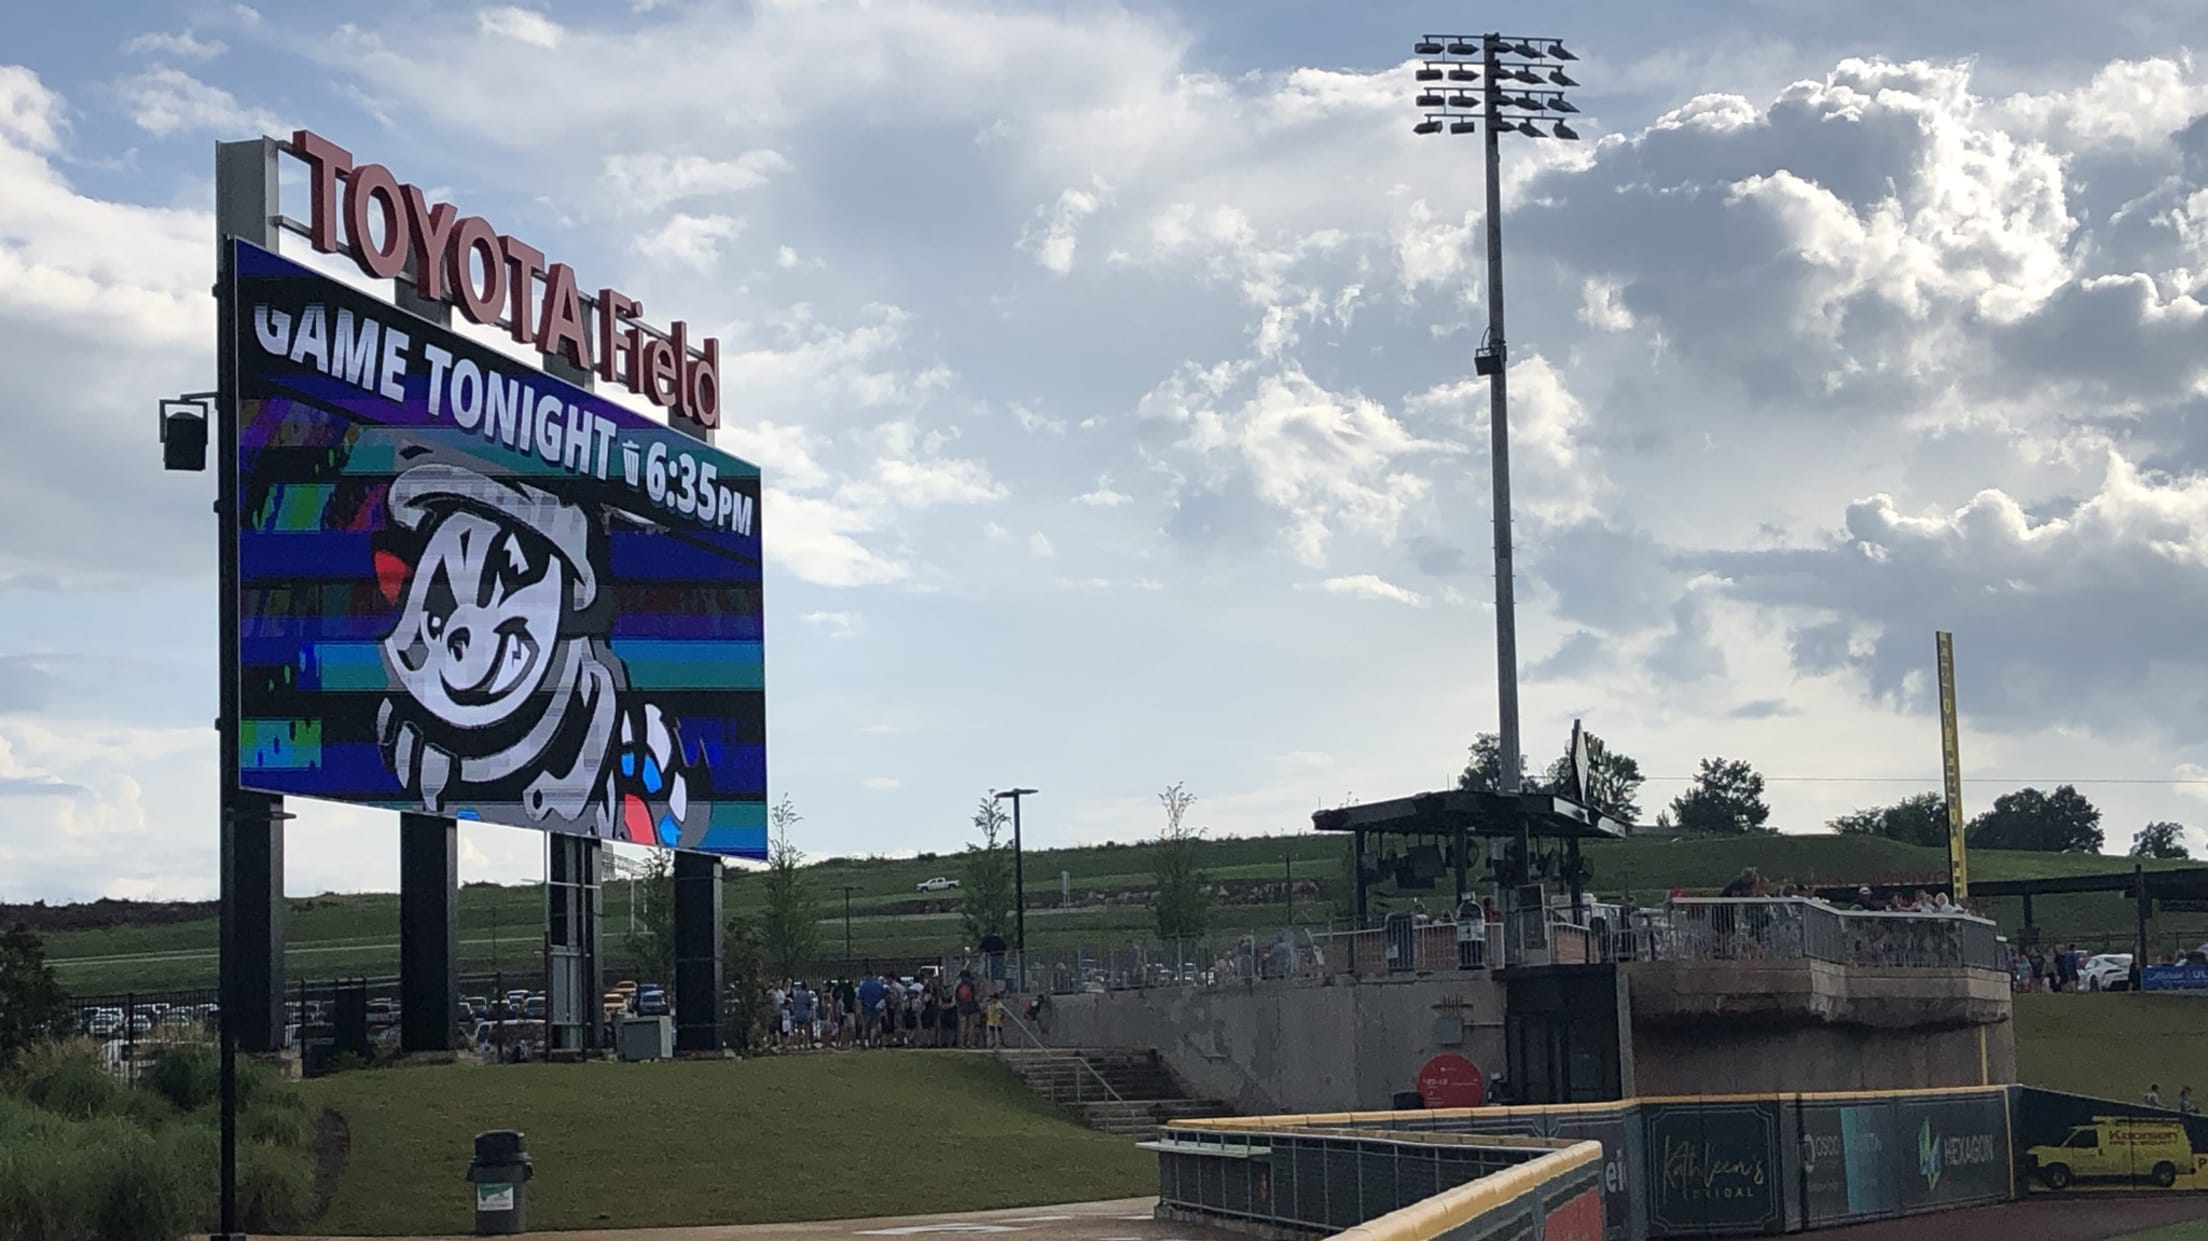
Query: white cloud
column 695, row 241
column 647, row 181
column 1371, row 586
column 521, row 25
column 881, row 783
column 1038, row 546
column 1326, row 461
column 1103, row 496
column 785, row 257
column 164, row 101
column 1106, row 583
column 183, row 43
column 836, row 624
column 1055, row 233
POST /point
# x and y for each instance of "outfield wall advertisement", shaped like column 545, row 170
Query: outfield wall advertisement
column 470, row 589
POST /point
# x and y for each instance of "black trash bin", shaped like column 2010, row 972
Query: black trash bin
column 1409, row 1101
column 500, row 1173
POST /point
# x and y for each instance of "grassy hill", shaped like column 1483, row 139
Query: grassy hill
column 501, row 927
column 717, row 1142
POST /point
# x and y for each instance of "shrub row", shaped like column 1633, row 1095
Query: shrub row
column 84, row 1159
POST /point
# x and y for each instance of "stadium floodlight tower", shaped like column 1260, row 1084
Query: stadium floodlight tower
column 1520, row 84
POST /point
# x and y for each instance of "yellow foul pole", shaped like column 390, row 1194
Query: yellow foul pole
column 1958, row 862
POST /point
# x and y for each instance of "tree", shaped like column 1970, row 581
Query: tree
column 985, row 907
column 1182, row 900
column 1484, row 772
column 1726, row 799
column 744, row 959
column 652, row 939
column 1918, row 820
column 2160, row 840
column 33, row 1007
column 789, row 929
column 2059, row 822
column 1613, row 779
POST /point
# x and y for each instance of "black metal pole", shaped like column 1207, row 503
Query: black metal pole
column 226, row 724
column 847, row 929
column 1019, row 882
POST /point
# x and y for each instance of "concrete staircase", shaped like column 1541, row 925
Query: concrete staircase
column 1123, row 1092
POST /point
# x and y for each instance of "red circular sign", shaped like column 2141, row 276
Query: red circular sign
column 1450, row 1080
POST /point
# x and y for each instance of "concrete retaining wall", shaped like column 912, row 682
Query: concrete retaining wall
column 1296, row 1045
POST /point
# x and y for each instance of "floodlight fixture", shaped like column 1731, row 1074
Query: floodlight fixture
column 1557, row 51
column 1464, row 73
column 1561, row 78
column 1427, row 126
column 1426, row 47
column 1529, row 51
column 1429, row 100
column 1526, row 75
column 1463, row 101
column 1427, row 74
column 1462, row 127
column 183, row 425
column 1531, row 130
column 1459, row 47
column 1562, row 105
column 1566, row 132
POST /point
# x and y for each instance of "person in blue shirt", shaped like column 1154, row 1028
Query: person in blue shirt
column 870, row 1011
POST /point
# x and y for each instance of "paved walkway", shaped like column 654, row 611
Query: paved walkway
column 1126, row 1219
column 2085, row 1217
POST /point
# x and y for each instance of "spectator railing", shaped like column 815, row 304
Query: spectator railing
column 1087, row 1082
column 1796, row 928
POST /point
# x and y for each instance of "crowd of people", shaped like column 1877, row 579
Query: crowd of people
column 887, row 1010
column 1750, row 883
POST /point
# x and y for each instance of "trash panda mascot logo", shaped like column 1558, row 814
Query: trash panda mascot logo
column 503, row 688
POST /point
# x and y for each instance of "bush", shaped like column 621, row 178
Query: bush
column 138, row 1192
column 275, row 1188
column 70, row 1078
column 189, row 1076
column 84, row 1159
column 281, row 1120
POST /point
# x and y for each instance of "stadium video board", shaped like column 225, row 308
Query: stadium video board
column 468, row 588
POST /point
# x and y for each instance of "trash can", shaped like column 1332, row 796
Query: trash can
column 1409, row 1101
column 500, row 1173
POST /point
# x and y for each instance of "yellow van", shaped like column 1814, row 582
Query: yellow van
column 2117, row 1148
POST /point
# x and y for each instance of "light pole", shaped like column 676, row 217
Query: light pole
column 1522, row 82
column 847, row 890
column 1019, row 875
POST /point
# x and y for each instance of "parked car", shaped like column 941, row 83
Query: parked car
column 2109, row 971
column 937, row 884
column 652, row 1003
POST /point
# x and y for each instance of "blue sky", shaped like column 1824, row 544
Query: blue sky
column 1110, row 370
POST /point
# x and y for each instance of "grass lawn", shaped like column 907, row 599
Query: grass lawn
column 718, row 1142
column 357, row 934
column 2113, row 1045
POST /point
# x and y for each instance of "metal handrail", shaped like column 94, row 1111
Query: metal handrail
column 1060, row 1054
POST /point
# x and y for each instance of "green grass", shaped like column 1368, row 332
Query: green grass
column 718, row 1142
column 500, row 927
column 2113, row 1045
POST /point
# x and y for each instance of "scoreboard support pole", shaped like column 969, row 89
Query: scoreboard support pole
column 429, row 933
column 429, row 870
column 699, row 968
column 700, row 962
column 250, row 825
column 575, row 867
